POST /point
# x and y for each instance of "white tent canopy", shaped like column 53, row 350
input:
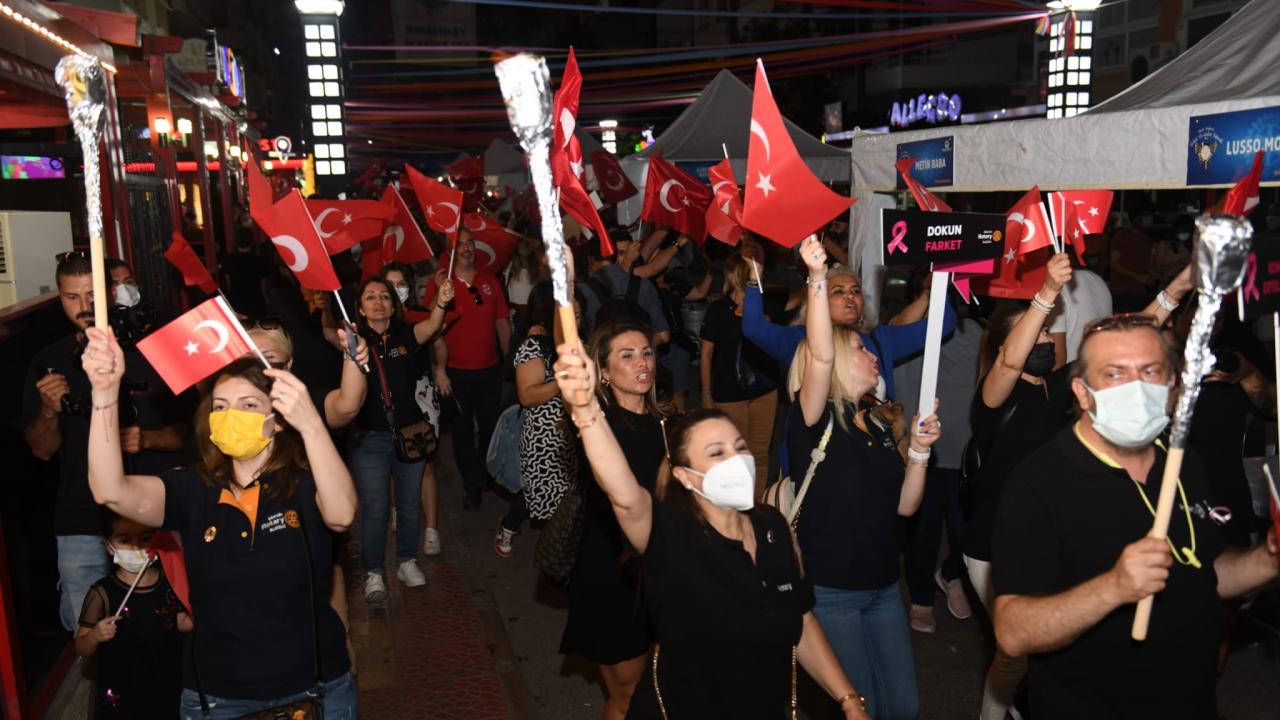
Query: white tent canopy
column 1136, row 140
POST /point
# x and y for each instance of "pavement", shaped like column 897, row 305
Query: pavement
column 481, row 640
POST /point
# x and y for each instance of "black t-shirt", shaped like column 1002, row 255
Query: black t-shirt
column 249, row 589
column 1026, row 421
column 1223, row 413
column 145, row 402
column 725, row 626
column 396, row 348
column 1065, row 518
column 245, row 272
column 739, row 369
column 848, row 522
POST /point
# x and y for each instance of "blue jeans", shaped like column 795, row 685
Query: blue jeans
column 82, row 561
column 339, row 702
column 373, row 462
column 868, row 631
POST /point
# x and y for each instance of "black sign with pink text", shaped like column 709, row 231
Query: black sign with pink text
column 1262, row 277
column 914, row 237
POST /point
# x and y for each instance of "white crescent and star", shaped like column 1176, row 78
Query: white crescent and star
column 397, row 232
column 663, row 194
column 485, row 248
column 715, row 189
column 612, row 174
column 1030, row 226
column 319, row 222
column 758, row 130
column 295, row 247
column 457, row 216
column 218, row 328
column 567, row 125
column 478, row 225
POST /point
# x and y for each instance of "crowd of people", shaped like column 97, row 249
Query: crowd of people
column 709, row 550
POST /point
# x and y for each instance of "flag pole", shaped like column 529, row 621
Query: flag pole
column 226, row 309
column 134, row 585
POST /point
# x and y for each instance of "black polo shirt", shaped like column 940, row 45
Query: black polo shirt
column 725, row 626
column 740, row 370
column 396, row 349
column 848, row 522
column 1065, row 518
column 249, row 588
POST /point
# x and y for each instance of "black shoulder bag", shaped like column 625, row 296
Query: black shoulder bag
column 413, row 443
column 309, row 708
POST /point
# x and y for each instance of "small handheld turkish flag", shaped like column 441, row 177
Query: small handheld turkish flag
column 674, row 198
column 566, row 156
column 724, row 215
column 615, row 186
column 784, row 201
column 494, row 243
column 925, row 200
column 181, row 256
column 1027, row 224
column 198, row 344
column 403, row 236
column 293, row 232
column 1077, row 213
column 441, row 204
column 343, row 223
column 1244, row 196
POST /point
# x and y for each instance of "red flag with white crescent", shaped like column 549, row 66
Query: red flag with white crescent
column 674, row 198
column 467, row 174
column 198, row 344
column 614, row 184
column 343, row 223
column 567, row 169
column 1020, row 271
column 441, row 204
column 181, row 256
column 1027, row 223
column 925, row 200
column 494, row 243
column 724, row 214
column 402, row 235
column 261, row 196
column 293, row 231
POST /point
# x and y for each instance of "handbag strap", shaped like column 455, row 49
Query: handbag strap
column 387, row 406
column 662, row 707
column 815, row 458
column 315, row 634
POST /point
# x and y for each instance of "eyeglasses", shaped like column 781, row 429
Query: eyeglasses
column 475, row 294
column 1122, row 321
column 64, row 256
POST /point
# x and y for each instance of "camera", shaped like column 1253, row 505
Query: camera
column 130, row 324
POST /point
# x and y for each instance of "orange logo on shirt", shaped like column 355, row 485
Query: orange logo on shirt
column 291, row 519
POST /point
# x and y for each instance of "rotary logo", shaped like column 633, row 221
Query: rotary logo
column 1204, row 146
column 291, row 519
column 997, row 236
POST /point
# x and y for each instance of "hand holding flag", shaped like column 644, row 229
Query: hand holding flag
column 199, row 343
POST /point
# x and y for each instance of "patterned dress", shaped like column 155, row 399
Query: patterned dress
column 548, row 461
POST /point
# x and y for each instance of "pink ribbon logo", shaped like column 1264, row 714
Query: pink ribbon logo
column 1251, row 293
column 899, row 232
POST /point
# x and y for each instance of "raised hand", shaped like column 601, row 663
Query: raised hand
column 103, row 360
column 575, row 373
column 814, row 256
column 290, row 398
column 362, row 348
column 925, row 434
column 1059, row 273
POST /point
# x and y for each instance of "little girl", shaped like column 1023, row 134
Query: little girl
column 138, row 672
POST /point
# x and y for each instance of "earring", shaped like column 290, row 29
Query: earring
column 604, row 381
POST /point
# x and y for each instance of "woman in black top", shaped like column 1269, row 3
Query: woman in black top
column 730, row 606
column 847, row 522
column 257, row 517
column 1020, row 404
column 393, row 376
column 607, row 622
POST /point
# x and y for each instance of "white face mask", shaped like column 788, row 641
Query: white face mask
column 130, row 560
column 1130, row 415
column 730, row 483
column 127, row 294
column 403, row 294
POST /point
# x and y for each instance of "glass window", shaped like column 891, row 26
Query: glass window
column 319, row 129
column 322, row 151
column 317, row 89
column 311, row 32
column 335, row 127
column 313, row 49
column 337, row 150
column 339, row 167
column 314, row 72
column 330, row 72
column 331, row 89
column 326, row 32
column 334, row 111
column 329, row 49
column 322, row 167
column 317, row 112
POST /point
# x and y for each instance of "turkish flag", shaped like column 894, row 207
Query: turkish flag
column 374, row 256
column 674, row 198
column 198, row 344
column 181, row 256
column 494, row 243
column 1018, row 276
column 1244, row 196
column 441, row 204
column 1027, row 224
column 1076, row 213
column 294, row 234
column 468, row 174
column 925, row 200
column 403, row 236
column 784, row 201
column 614, row 184
column 261, row 196
column 343, row 223
column 724, row 214
column 566, row 157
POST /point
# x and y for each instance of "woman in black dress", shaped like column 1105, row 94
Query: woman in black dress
column 608, row 623
column 730, row 607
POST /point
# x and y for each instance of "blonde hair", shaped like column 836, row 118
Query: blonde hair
column 278, row 337
column 736, row 273
column 843, row 383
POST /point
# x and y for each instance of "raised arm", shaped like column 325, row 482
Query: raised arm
column 1167, row 300
column 335, row 491
column 815, row 389
column 424, row 331
column 342, row 404
column 1242, row 571
column 632, row 504
column 1012, row 357
column 657, row 264
column 779, row 341
column 923, row 436
column 137, row 497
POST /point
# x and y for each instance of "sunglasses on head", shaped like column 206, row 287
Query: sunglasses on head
column 1122, row 321
column 64, row 256
column 266, row 323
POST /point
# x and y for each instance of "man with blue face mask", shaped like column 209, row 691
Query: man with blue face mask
column 1071, row 557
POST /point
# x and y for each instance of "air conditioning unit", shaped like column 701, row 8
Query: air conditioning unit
column 28, row 243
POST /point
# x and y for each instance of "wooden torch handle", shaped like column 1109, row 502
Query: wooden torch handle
column 1159, row 529
column 569, row 329
column 97, row 255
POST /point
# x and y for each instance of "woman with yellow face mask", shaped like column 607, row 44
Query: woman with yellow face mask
column 257, row 514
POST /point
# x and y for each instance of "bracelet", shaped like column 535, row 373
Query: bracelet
column 840, row 701
column 108, row 406
column 584, row 425
column 816, row 284
column 922, row 457
column 1166, row 302
column 1041, row 305
column 442, row 306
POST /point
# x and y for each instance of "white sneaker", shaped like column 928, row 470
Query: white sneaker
column 431, row 545
column 410, row 575
column 375, row 590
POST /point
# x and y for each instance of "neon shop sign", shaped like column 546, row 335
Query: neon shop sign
column 932, row 109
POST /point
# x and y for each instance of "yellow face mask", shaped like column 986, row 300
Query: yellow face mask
column 238, row 433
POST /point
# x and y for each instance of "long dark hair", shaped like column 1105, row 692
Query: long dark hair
column 397, row 311
column 279, row 476
column 675, row 434
column 602, row 345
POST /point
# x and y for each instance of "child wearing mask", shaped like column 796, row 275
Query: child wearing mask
column 138, row 643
